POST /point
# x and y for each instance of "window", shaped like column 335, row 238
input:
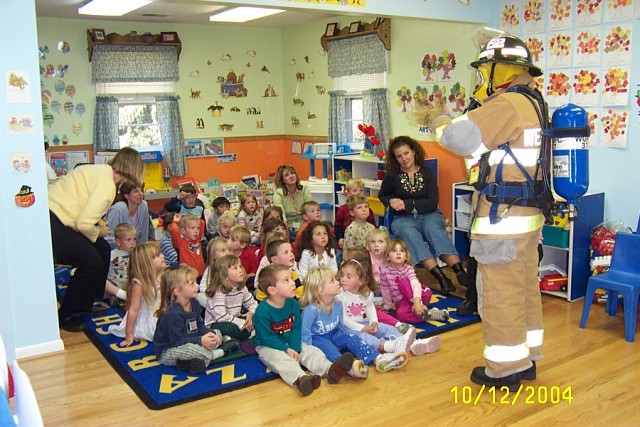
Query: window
column 138, row 123
column 137, row 118
column 354, row 113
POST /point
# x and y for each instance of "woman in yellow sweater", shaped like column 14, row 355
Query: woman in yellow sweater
column 77, row 203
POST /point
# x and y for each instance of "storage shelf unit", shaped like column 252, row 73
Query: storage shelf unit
column 574, row 259
column 369, row 169
column 462, row 215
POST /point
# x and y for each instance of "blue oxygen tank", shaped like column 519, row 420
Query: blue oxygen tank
column 570, row 134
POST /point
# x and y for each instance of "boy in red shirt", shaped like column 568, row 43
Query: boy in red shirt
column 186, row 234
column 240, row 239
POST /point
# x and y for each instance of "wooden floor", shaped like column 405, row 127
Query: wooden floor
column 77, row 387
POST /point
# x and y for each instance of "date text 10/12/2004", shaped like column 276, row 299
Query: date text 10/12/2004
column 530, row 395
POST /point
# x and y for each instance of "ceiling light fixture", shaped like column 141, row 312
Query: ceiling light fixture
column 243, row 14
column 111, row 7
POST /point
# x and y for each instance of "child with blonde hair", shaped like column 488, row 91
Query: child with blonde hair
column 227, row 297
column 145, row 269
column 118, row 277
column 181, row 339
column 278, row 342
column 250, row 216
column 316, row 249
column 360, row 314
column 353, row 187
column 323, row 326
column 216, row 249
column 377, row 243
column 225, row 222
column 400, row 286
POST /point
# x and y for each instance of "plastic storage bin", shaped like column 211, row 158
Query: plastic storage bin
column 555, row 236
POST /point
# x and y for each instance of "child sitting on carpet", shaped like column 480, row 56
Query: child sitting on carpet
column 228, row 295
column 377, row 244
column 250, row 216
column 181, row 339
column 216, row 249
column 400, row 286
column 360, row 254
column 359, row 313
column 278, row 342
column 146, row 266
column 316, row 249
column 323, row 326
column 280, row 251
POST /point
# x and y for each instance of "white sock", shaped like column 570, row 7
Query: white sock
column 217, row 353
column 121, row 294
column 389, row 346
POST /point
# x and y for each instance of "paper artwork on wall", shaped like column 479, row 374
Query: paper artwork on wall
column 614, row 128
column 533, row 16
column 59, row 86
column 45, row 95
column 76, row 128
column 560, row 49
column 48, row 119
column 204, row 147
column 296, row 147
column 56, row 106
column 227, row 158
column 510, row 17
column 588, row 12
column 62, row 70
column 558, row 87
column 617, row 45
column 594, row 126
column 50, row 71
column 42, row 52
column 18, row 87
column 559, row 15
column 216, row 109
column 68, row 107
column 64, row 46
column 195, row 94
column 586, row 86
column 232, row 85
column 21, row 162
column 80, row 109
column 616, row 86
column 428, row 67
column 404, row 99
column 536, row 45
column 70, row 91
column 21, row 124
column 587, row 46
column 195, row 74
column 213, row 147
column 193, row 148
column 618, row 10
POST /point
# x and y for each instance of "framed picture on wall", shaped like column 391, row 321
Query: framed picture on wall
column 330, row 31
column 98, row 35
column 171, row 37
column 354, row 27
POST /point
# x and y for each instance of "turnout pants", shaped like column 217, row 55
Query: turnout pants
column 511, row 303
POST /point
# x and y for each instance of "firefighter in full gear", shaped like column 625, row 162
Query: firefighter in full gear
column 502, row 145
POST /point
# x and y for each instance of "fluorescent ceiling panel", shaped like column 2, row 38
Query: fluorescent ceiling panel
column 243, row 14
column 111, row 7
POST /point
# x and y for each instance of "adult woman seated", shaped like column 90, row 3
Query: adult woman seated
column 132, row 209
column 411, row 191
column 290, row 195
column 77, row 202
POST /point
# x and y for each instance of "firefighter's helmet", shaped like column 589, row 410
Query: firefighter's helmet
column 507, row 50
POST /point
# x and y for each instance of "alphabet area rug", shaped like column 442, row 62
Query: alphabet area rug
column 161, row 386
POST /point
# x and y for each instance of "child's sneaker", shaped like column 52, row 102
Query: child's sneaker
column 229, row 346
column 193, row 366
column 426, row 345
column 436, row 314
column 388, row 361
column 340, row 368
column 404, row 342
column 359, row 369
column 403, row 327
column 307, row 383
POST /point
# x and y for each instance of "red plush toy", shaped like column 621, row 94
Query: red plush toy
column 369, row 133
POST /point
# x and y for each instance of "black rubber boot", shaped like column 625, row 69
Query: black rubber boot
column 463, row 278
column 470, row 303
column 446, row 287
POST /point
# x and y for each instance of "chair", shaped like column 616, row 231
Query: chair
column 26, row 405
column 623, row 277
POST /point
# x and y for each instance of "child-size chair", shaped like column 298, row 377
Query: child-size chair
column 623, row 277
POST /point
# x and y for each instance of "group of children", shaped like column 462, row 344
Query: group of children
column 203, row 305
